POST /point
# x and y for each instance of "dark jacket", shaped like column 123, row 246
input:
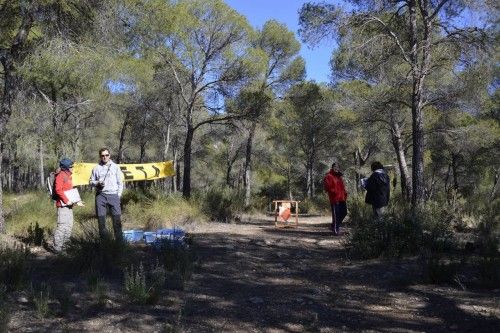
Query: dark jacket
column 378, row 189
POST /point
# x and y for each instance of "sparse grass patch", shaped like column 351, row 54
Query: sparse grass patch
column 160, row 211
column 40, row 297
column 140, row 288
column 97, row 286
column 32, row 216
column 89, row 253
column 14, row 265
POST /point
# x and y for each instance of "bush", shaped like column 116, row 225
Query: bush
column 40, row 298
column 90, row 253
column 36, row 235
column 221, row 204
column 317, row 205
column 400, row 231
column 14, row 267
column 160, row 211
column 137, row 288
column 98, row 288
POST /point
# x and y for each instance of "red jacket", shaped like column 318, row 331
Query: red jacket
column 63, row 183
column 334, row 186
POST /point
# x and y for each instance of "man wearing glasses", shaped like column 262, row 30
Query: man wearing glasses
column 106, row 177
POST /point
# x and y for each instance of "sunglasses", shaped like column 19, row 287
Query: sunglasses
column 104, row 155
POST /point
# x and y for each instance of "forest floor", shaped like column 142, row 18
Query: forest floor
column 254, row 277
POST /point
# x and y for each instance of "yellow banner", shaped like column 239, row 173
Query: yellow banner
column 131, row 172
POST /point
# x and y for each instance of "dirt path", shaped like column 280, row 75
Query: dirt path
column 256, row 278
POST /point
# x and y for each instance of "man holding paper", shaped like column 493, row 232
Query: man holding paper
column 66, row 198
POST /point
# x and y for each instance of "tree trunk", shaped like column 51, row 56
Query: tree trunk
column 166, row 142
column 248, row 165
column 41, row 165
column 406, row 186
column 186, row 179
column 2, row 219
column 418, row 76
column 454, row 167
column 123, row 130
column 175, row 178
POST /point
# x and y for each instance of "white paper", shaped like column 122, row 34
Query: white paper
column 72, row 196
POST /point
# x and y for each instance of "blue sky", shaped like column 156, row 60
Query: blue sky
column 286, row 11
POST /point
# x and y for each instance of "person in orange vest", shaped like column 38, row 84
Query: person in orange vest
column 337, row 194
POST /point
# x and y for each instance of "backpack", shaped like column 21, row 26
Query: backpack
column 51, row 186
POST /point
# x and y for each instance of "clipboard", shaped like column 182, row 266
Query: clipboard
column 73, row 195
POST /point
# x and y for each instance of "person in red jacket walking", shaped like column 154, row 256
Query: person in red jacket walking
column 337, row 194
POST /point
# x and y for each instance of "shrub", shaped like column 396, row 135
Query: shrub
column 317, row 205
column 40, row 298
column 14, row 267
column 221, row 204
column 98, row 288
column 90, row 253
column 137, row 288
column 35, row 235
column 161, row 211
column 400, row 231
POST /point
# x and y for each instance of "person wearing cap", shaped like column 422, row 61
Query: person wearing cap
column 106, row 177
column 63, row 182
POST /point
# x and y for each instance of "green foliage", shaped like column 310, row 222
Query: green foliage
column 221, row 204
column 36, row 235
column 14, row 265
column 151, row 210
column 400, row 231
column 98, row 287
column 316, row 205
column 137, row 289
column 40, row 297
column 28, row 209
column 89, row 253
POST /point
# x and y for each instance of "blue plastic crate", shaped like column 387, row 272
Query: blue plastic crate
column 174, row 233
column 133, row 236
column 128, row 235
column 169, row 238
column 149, row 236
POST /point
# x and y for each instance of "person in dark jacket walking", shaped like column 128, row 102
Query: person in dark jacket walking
column 337, row 194
column 377, row 188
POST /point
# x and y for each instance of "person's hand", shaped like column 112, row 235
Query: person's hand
column 69, row 203
column 80, row 203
